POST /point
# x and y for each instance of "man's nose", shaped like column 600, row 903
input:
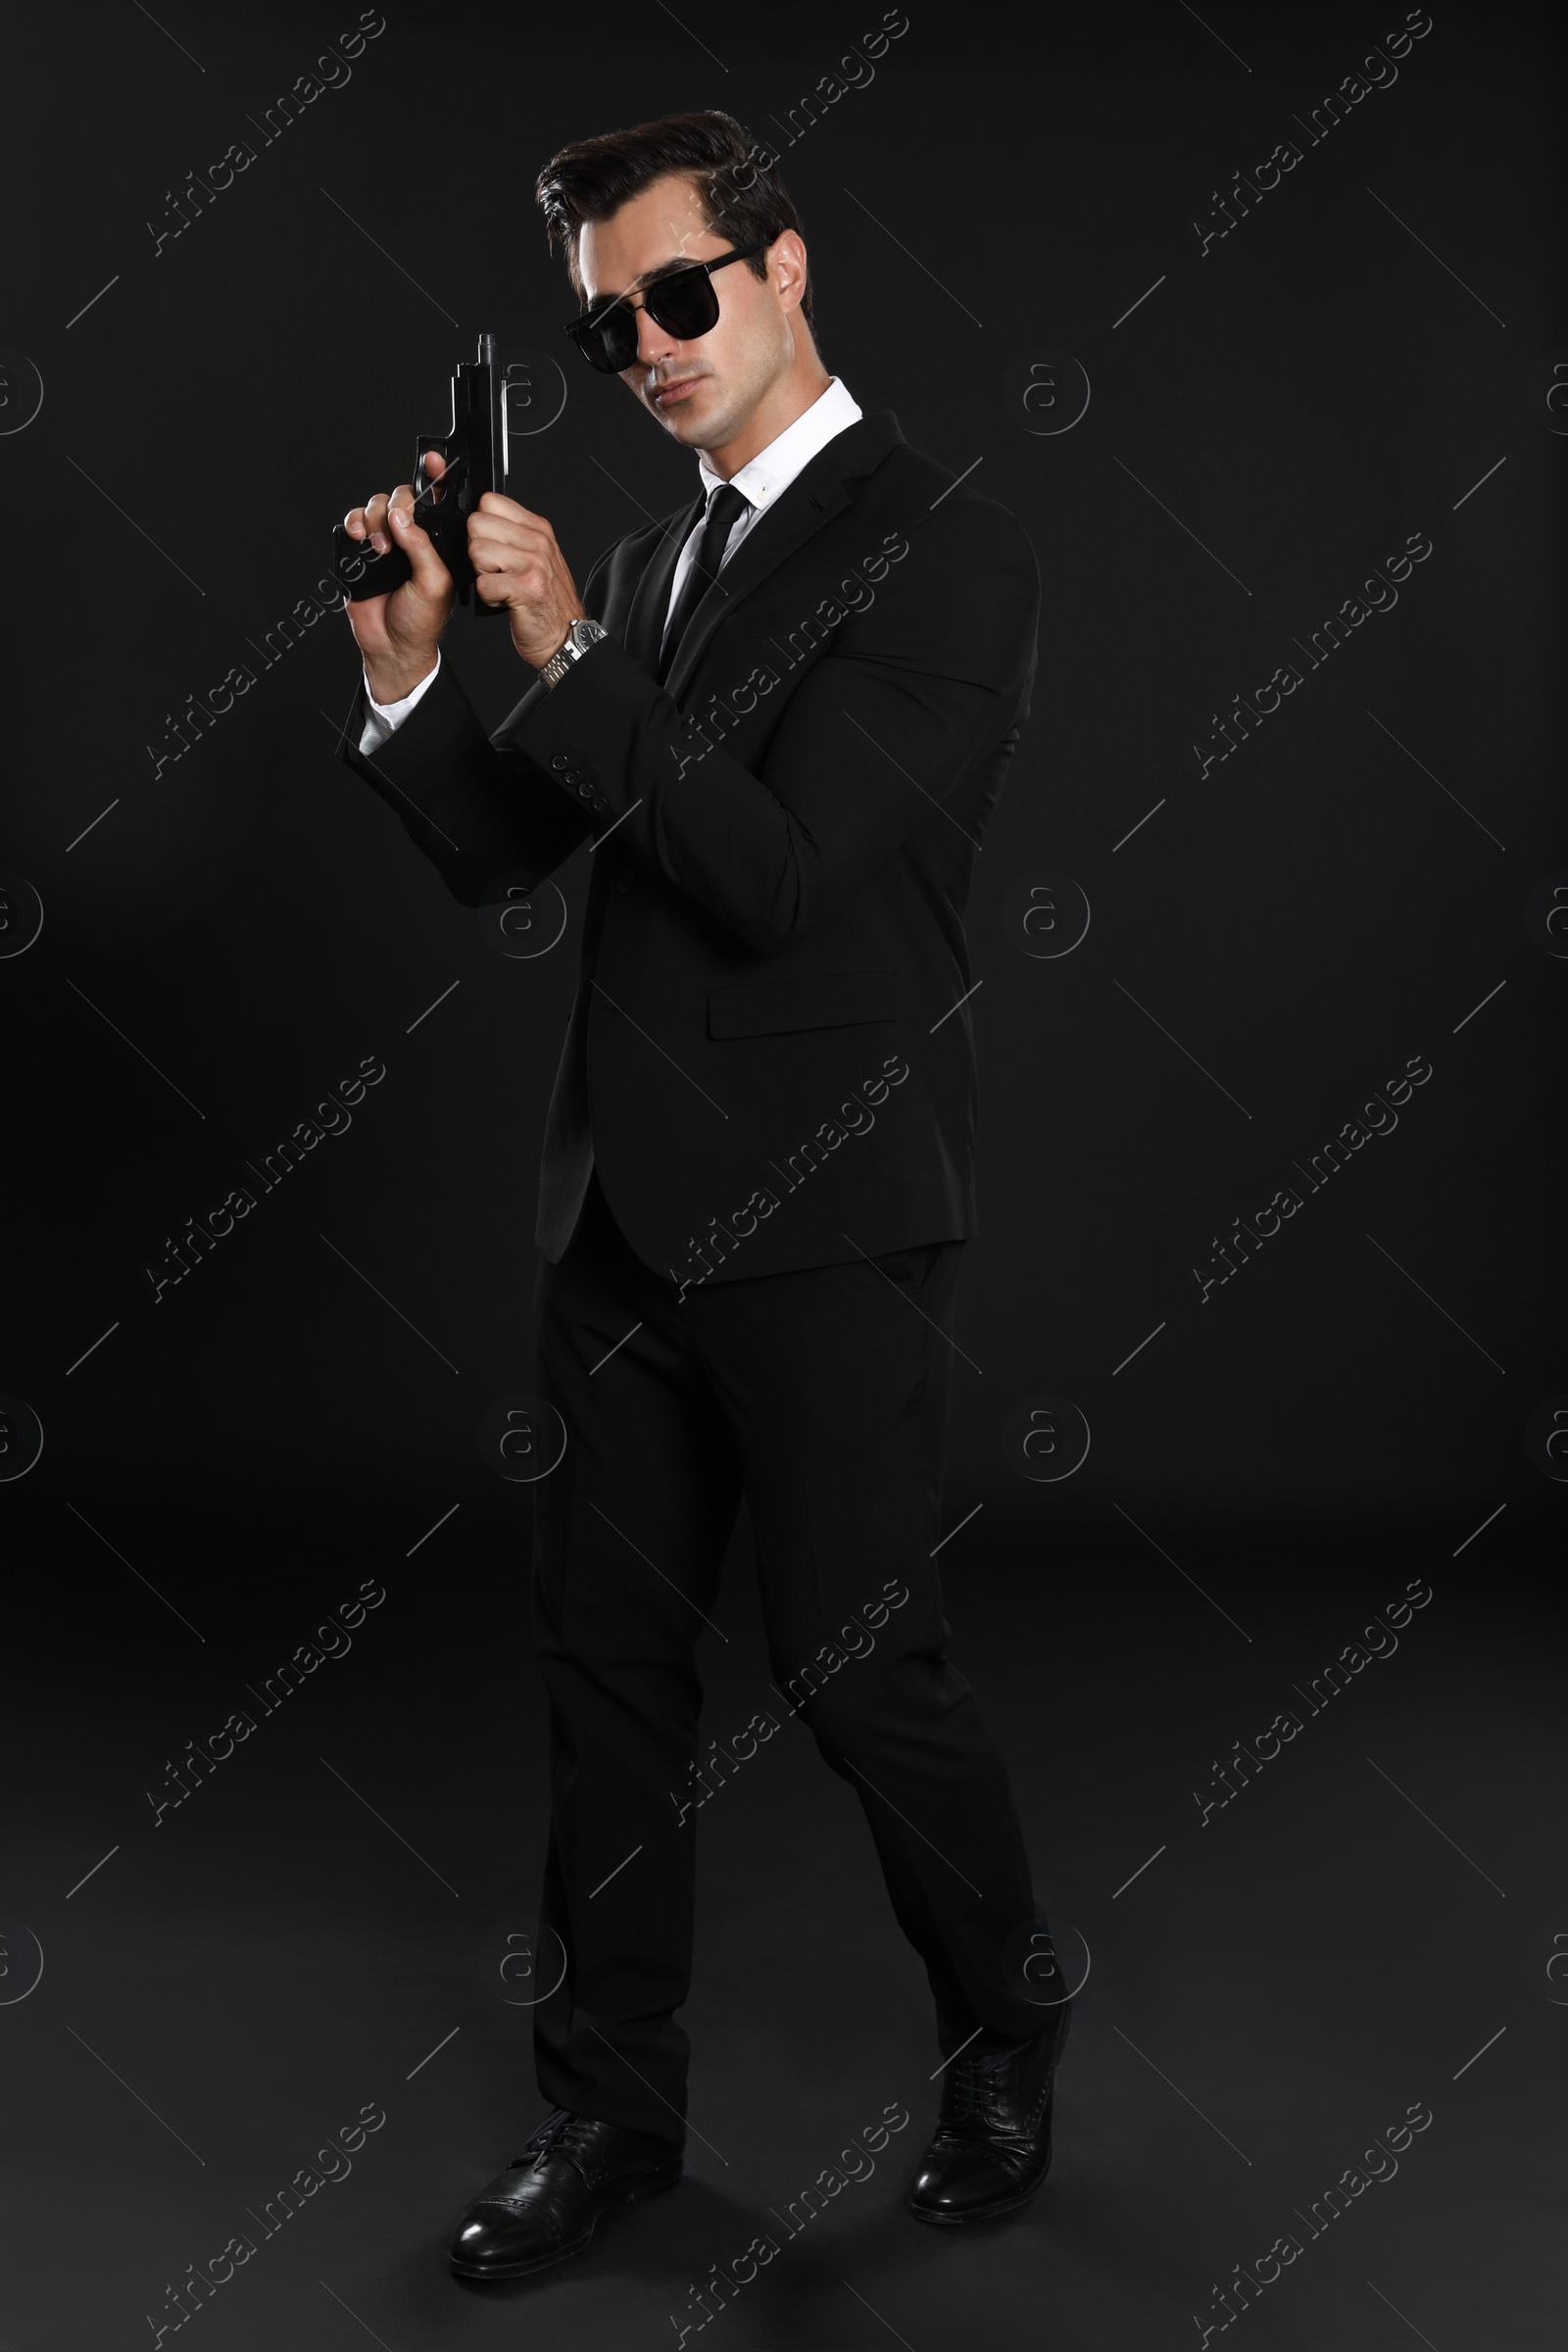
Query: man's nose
column 654, row 342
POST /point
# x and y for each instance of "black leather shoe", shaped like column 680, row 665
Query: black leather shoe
column 992, row 2148
column 544, row 2207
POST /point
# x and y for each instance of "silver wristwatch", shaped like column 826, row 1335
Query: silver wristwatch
column 579, row 637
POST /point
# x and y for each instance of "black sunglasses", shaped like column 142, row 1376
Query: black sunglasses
column 684, row 304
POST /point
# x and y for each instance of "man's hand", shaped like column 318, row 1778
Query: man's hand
column 399, row 634
column 517, row 564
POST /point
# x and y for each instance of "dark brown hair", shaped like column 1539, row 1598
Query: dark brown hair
column 736, row 177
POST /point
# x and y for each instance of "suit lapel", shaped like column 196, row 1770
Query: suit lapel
column 645, row 622
column 818, row 492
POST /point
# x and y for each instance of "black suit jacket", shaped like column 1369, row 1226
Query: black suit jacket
column 770, row 1057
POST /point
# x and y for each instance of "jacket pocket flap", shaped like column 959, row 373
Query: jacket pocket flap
column 804, row 1000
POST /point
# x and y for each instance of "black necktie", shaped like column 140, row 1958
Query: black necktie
column 726, row 509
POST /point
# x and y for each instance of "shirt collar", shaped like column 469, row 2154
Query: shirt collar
column 764, row 477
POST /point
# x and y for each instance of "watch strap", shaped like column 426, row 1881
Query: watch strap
column 579, row 637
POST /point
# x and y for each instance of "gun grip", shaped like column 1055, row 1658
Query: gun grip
column 360, row 571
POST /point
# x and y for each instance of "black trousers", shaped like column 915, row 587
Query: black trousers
column 822, row 1396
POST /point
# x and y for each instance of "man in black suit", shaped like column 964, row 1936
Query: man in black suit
column 779, row 721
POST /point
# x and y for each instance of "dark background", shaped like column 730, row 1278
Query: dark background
column 232, row 935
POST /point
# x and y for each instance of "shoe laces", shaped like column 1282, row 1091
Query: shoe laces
column 985, row 2089
column 562, row 2132
column 979, row 2083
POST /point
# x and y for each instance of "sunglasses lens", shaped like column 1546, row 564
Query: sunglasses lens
column 607, row 337
column 685, row 306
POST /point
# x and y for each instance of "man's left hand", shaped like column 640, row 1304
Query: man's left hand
column 517, row 564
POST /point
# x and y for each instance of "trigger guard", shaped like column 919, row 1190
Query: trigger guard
column 438, row 443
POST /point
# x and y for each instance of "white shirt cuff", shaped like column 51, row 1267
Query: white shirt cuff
column 384, row 719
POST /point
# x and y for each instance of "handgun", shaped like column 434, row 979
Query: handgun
column 476, row 448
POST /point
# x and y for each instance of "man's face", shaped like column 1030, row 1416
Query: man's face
column 702, row 392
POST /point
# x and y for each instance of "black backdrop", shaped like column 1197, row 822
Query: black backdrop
column 1003, row 214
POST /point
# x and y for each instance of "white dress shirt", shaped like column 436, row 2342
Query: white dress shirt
column 761, row 480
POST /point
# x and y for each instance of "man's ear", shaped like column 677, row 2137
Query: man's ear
column 787, row 258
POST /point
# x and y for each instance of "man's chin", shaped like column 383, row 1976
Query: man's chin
column 696, row 421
